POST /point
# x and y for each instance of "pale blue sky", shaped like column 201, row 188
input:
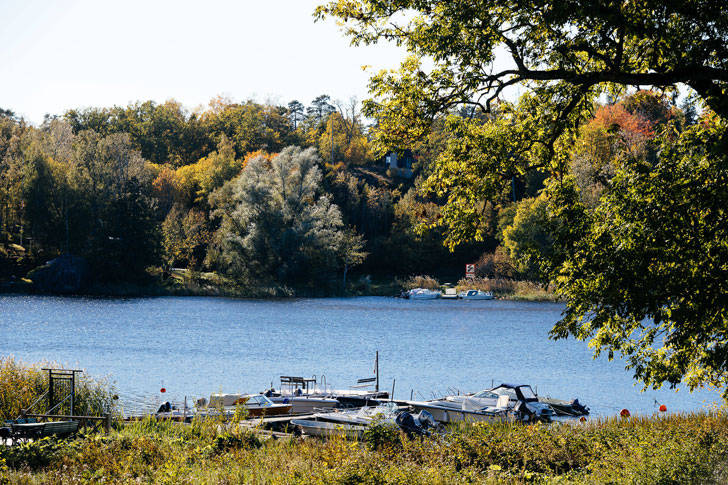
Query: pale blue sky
column 56, row 55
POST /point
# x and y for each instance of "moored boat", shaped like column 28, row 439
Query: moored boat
column 423, row 294
column 362, row 416
column 506, row 401
column 253, row 404
column 476, row 295
column 450, row 294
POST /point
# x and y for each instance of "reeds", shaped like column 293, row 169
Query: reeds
column 21, row 384
column 421, row 281
column 508, row 288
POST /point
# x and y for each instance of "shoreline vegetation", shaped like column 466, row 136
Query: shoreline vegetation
column 182, row 282
column 673, row 448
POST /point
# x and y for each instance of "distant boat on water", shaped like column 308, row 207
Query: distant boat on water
column 476, row 295
column 423, row 294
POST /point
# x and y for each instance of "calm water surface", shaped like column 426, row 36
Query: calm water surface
column 195, row 346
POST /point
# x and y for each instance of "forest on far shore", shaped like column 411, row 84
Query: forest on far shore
column 290, row 199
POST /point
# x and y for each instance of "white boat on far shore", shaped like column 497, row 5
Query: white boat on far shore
column 423, row 294
column 476, row 295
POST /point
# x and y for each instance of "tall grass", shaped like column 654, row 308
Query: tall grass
column 421, row 282
column 684, row 448
column 508, row 288
column 21, row 384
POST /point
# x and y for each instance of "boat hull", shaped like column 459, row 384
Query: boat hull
column 306, row 405
column 451, row 415
column 325, row 430
column 275, row 410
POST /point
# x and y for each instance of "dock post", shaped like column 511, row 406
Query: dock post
column 376, row 370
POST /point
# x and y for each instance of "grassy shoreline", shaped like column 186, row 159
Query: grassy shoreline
column 683, row 448
column 657, row 449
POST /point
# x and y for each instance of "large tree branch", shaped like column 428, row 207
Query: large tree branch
column 687, row 75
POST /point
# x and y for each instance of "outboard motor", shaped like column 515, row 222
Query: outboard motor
column 579, row 407
column 165, row 408
column 410, row 425
column 426, row 420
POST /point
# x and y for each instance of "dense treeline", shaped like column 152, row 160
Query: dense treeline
column 281, row 196
column 259, row 194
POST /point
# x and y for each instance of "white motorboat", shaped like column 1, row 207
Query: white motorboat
column 476, row 295
column 517, row 402
column 450, row 294
column 386, row 412
column 448, row 412
column 423, row 294
column 253, row 404
column 306, row 397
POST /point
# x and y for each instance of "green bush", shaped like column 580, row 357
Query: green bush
column 381, row 434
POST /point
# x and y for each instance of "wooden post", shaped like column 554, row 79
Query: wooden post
column 376, row 370
column 107, row 422
column 73, row 391
column 51, row 399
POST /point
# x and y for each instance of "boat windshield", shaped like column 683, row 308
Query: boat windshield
column 485, row 395
column 260, row 400
column 507, row 391
column 528, row 393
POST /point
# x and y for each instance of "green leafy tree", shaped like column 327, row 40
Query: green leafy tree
column 297, row 112
column 275, row 226
column 185, row 237
column 649, row 264
column 529, row 239
column 650, row 246
column 320, row 108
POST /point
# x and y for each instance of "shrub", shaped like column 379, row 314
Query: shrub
column 497, row 264
column 421, row 282
column 34, row 454
column 229, row 441
column 380, row 434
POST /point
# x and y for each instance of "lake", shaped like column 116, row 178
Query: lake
column 194, row 346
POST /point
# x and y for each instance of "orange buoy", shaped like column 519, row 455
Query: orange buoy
column 582, row 419
column 624, row 413
column 163, row 390
column 663, row 408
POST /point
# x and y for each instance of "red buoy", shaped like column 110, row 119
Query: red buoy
column 624, row 413
column 663, row 408
column 163, row 390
